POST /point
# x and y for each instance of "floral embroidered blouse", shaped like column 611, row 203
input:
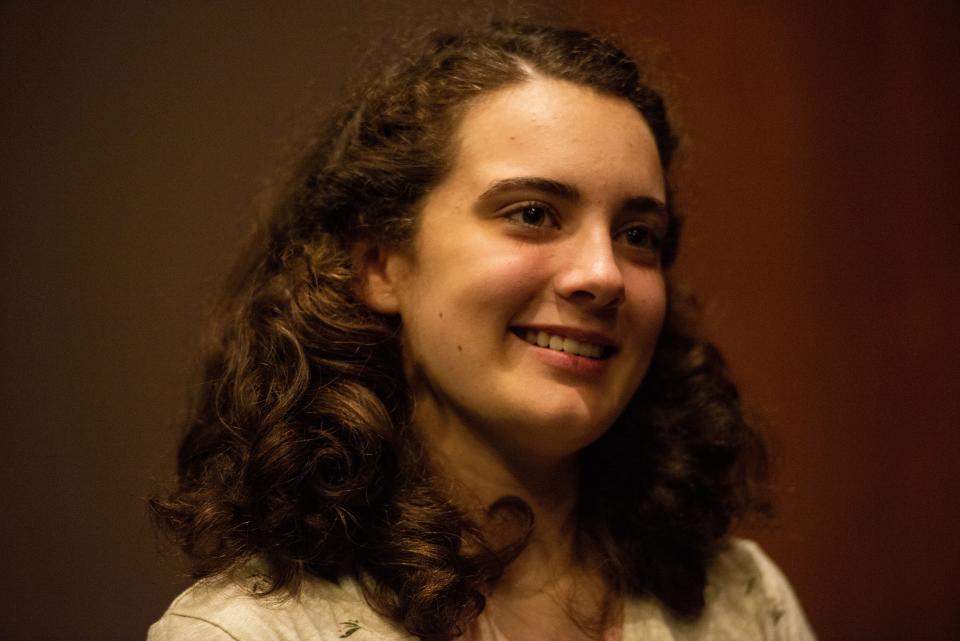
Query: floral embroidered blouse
column 747, row 599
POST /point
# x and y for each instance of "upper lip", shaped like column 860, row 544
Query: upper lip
column 581, row 334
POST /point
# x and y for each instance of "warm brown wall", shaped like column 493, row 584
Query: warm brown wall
column 822, row 189
column 824, row 146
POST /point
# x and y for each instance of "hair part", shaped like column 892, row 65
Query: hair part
column 299, row 450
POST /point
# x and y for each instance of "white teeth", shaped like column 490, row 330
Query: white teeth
column 593, row 351
column 563, row 344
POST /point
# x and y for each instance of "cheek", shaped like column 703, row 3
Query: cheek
column 649, row 307
column 658, row 306
column 479, row 288
column 462, row 309
column 513, row 276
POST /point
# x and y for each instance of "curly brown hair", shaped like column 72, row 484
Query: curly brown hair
column 299, row 448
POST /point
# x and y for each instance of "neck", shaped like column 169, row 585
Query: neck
column 549, row 586
column 477, row 472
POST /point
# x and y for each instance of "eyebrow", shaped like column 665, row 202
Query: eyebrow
column 532, row 183
column 646, row 205
column 635, row 204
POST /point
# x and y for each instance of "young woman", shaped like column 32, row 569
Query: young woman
column 452, row 390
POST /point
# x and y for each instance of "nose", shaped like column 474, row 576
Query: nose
column 589, row 275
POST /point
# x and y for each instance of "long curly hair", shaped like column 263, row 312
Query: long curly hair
column 299, row 450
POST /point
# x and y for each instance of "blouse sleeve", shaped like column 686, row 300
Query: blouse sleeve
column 785, row 620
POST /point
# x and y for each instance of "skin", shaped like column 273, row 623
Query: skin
column 549, row 220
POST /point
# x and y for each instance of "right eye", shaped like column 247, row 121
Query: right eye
column 533, row 215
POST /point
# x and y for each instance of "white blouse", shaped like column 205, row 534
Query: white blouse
column 747, row 599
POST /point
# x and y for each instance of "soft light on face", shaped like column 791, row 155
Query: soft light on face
column 532, row 296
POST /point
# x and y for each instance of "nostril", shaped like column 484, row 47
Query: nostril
column 584, row 294
column 594, row 301
column 593, row 280
column 599, row 297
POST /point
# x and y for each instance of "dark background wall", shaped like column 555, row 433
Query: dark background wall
column 820, row 184
column 822, row 190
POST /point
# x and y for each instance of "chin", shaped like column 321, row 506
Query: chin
column 570, row 429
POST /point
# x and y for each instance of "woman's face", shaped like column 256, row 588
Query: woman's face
column 532, row 295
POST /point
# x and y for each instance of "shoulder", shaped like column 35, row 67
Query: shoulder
column 747, row 597
column 744, row 579
column 225, row 609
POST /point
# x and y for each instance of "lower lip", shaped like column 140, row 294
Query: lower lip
column 578, row 365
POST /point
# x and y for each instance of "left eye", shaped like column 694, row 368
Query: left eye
column 641, row 236
column 533, row 215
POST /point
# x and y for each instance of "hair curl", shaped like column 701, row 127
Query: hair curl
column 299, row 449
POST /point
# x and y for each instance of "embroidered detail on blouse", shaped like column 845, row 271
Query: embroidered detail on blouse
column 349, row 627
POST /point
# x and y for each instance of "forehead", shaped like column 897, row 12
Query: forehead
column 559, row 130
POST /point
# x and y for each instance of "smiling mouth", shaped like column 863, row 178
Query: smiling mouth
column 560, row 343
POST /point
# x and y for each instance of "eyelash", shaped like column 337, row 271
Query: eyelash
column 515, row 214
column 653, row 240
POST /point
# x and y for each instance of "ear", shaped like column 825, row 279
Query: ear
column 378, row 275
